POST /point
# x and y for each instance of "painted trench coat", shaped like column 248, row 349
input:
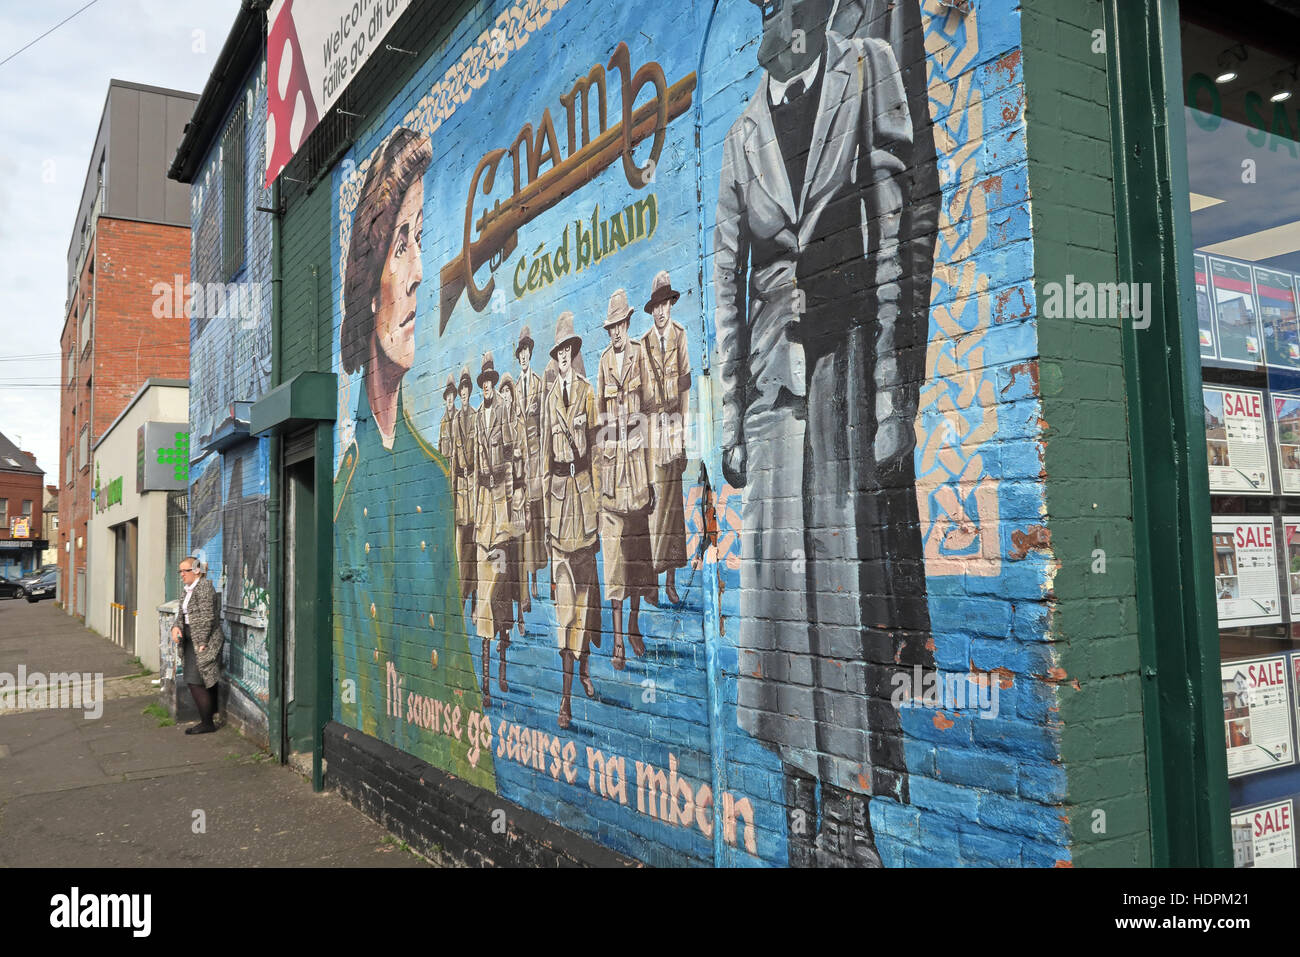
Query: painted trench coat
column 819, row 398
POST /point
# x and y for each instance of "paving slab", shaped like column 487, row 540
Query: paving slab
column 127, row 790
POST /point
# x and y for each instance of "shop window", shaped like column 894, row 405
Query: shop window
column 1241, row 98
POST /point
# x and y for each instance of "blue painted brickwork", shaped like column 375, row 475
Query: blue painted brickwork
column 983, row 789
column 230, row 362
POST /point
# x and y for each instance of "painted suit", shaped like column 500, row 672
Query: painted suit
column 446, row 436
column 463, row 472
column 667, row 377
column 529, row 393
column 625, row 492
column 493, row 444
column 572, row 510
column 818, row 393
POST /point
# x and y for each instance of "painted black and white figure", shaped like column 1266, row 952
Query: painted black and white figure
column 821, row 346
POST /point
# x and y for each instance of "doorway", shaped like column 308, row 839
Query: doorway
column 301, row 601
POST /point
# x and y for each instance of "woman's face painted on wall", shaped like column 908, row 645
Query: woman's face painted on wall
column 395, row 306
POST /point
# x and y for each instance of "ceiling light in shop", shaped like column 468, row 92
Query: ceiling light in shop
column 1228, row 62
column 1283, row 81
column 1265, row 244
column 1201, row 201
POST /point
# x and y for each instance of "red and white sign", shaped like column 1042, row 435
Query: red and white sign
column 1245, row 572
column 1256, row 714
column 313, row 51
column 1263, row 836
column 1236, row 442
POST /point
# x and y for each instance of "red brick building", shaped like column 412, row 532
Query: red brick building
column 21, row 482
column 129, row 248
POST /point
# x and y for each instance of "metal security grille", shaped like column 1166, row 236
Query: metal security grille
column 178, row 539
column 234, row 178
column 331, row 138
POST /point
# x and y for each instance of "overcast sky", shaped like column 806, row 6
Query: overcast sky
column 51, row 98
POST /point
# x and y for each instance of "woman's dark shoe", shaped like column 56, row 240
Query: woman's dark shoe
column 201, row 729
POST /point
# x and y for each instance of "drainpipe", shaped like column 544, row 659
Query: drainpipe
column 274, row 542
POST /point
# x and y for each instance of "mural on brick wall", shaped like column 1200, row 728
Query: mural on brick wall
column 229, row 308
column 666, row 423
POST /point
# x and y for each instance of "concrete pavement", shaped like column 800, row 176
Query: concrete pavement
column 123, row 791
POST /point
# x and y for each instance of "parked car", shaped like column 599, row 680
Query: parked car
column 33, row 576
column 10, row 588
column 44, row 587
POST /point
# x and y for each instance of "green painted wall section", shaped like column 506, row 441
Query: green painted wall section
column 1086, row 459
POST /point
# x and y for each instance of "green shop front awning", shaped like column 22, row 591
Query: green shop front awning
column 306, row 398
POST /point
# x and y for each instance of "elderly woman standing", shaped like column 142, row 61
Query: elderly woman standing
column 198, row 629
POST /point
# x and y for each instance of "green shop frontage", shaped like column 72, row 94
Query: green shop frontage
column 882, row 449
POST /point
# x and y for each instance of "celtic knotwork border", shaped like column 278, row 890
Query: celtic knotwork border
column 958, row 411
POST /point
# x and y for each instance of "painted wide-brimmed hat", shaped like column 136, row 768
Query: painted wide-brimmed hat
column 489, row 370
column 451, row 387
column 525, row 341
column 465, row 380
column 619, row 310
column 564, row 334
column 662, row 291
column 506, row 384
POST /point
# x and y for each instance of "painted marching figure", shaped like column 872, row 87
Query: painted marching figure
column 518, row 496
column 462, row 464
column 569, row 426
column 447, row 428
column 810, row 282
column 529, row 394
column 667, row 399
column 493, row 441
column 625, row 492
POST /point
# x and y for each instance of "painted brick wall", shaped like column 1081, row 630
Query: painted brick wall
column 230, row 360
column 975, row 780
column 1094, row 612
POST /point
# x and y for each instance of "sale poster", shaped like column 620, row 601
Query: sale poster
column 1278, row 320
column 1236, row 441
column 1263, row 836
column 1286, row 427
column 1291, row 558
column 1236, row 319
column 1204, row 311
column 1245, row 571
column 1256, row 714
